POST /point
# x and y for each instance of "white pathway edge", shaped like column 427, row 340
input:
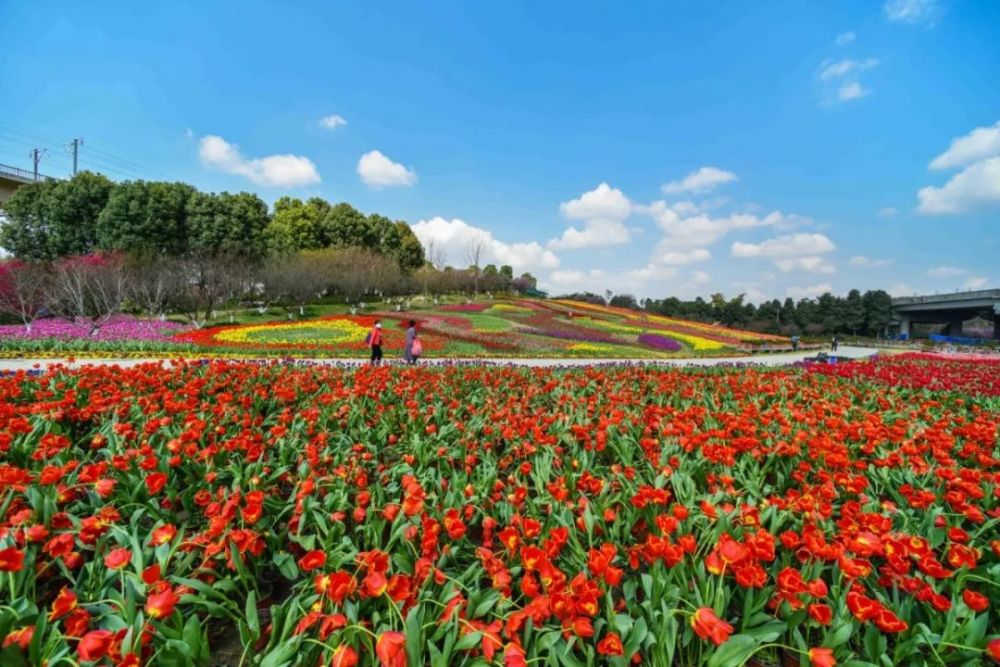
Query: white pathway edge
column 779, row 359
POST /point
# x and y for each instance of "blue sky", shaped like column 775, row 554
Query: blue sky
column 775, row 149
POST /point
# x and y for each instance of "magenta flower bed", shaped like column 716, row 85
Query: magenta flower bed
column 119, row 327
column 659, row 342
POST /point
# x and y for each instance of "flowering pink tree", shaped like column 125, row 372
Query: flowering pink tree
column 25, row 290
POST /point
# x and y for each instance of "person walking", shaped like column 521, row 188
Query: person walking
column 833, row 344
column 411, row 336
column 375, row 342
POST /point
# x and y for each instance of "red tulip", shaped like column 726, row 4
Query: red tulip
column 611, row 645
column 391, row 649
column 312, row 560
column 11, row 559
column 161, row 605
column 821, row 657
column 344, row 656
column 118, row 558
column 709, row 626
column 95, row 644
column 64, row 603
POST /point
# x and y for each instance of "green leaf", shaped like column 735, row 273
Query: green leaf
column 469, row 641
column 486, row 604
column 734, row 651
column 282, row 654
column 767, row 633
column 251, row 614
column 839, row 636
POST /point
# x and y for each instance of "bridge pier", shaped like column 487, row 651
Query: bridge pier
column 904, row 326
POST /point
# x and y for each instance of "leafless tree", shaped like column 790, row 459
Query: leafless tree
column 152, row 281
column 476, row 249
column 91, row 288
column 25, row 290
column 293, row 281
column 436, row 255
column 204, row 282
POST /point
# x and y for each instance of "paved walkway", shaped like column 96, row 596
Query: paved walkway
column 778, row 359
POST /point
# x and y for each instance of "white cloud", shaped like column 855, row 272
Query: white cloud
column 809, row 291
column 981, row 143
column 783, row 247
column 603, row 202
column 603, row 211
column 841, row 79
column 684, row 258
column 974, row 186
column 861, row 260
column 975, row 283
column 888, row 212
column 842, row 68
column 805, row 265
column 700, row 277
column 911, row 11
column 641, row 281
column 700, row 181
column 901, row 289
column 273, row 170
column 946, row 272
column 453, row 236
column 851, row 91
column 703, row 230
column 332, row 122
column 595, row 234
column 844, row 38
column 378, row 171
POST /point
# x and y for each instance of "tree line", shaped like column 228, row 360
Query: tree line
column 90, row 214
column 867, row 314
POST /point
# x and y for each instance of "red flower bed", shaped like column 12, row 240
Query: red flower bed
column 494, row 516
column 979, row 376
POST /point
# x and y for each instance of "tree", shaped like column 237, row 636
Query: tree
column 298, row 225
column 436, row 255
column 409, row 253
column 146, row 217
column 227, row 224
column 350, row 228
column 152, row 282
column 204, row 282
column 51, row 219
column 292, row 281
column 476, row 248
column 624, row 301
column 25, row 290
column 878, row 311
column 91, row 288
column 852, row 312
column 525, row 282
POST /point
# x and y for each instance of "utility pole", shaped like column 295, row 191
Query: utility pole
column 36, row 157
column 75, row 147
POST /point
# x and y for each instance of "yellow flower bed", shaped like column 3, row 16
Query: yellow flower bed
column 296, row 333
column 508, row 308
column 695, row 342
column 592, row 347
column 609, row 326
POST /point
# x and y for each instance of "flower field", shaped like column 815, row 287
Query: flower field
column 501, row 329
column 520, row 328
column 266, row 514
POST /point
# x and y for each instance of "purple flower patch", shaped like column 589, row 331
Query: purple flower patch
column 659, row 342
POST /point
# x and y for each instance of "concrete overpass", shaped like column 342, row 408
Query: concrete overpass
column 11, row 178
column 948, row 309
